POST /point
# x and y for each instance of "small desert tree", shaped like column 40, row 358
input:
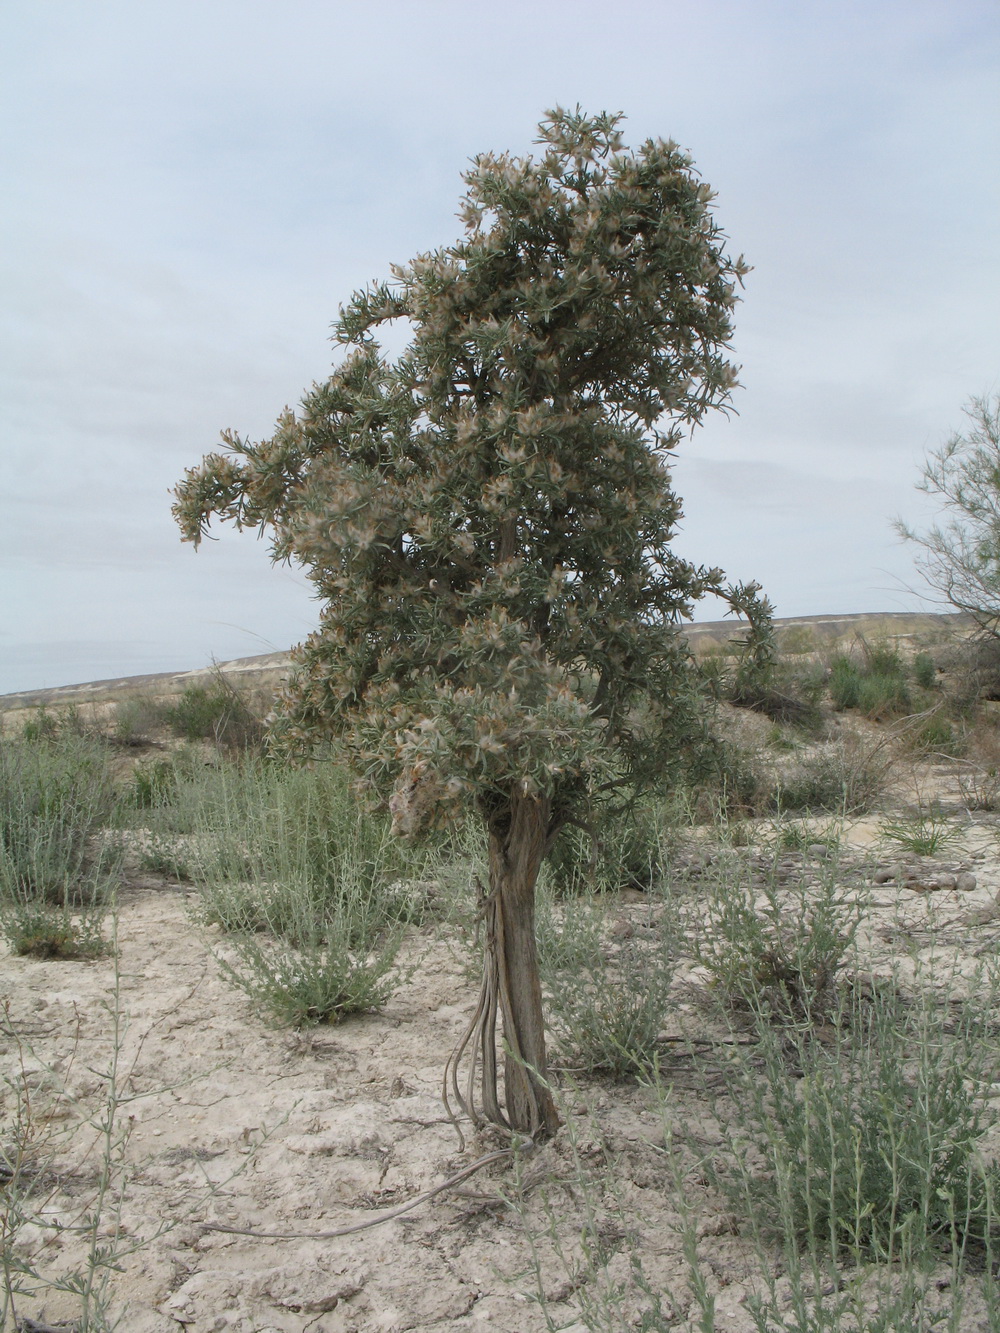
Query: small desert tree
column 487, row 522
column 960, row 558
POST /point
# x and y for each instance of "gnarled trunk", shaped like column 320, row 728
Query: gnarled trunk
column 517, row 846
column 518, row 835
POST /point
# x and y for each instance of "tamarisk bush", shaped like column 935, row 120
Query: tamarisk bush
column 487, row 522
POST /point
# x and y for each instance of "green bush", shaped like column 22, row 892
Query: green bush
column 843, row 777
column 312, row 889
column 731, row 781
column 41, row 726
column 271, row 835
column 153, row 785
column 318, row 965
column 217, row 712
column 796, row 640
column 882, row 695
column 876, row 685
column 182, row 792
column 57, row 865
column 627, row 850
column 135, row 718
column 774, row 950
column 607, row 998
column 845, row 682
column 867, row 1144
column 939, row 734
column 925, row 671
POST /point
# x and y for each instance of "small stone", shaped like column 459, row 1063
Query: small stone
column 965, row 882
column 884, row 875
column 817, row 849
column 983, row 916
column 947, row 881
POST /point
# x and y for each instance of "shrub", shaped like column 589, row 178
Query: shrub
column 628, row 850
column 183, row 792
column 845, row 682
column 731, row 779
column 41, row 726
column 796, row 640
column 845, row 776
column 773, row 950
column 342, row 961
column 152, row 785
column 217, row 712
column 925, row 671
column 136, row 718
column 937, row 733
column 882, row 695
column 274, row 838
column 867, row 1144
column 795, row 837
column 57, row 868
column 607, row 999
column 876, row 685
column 980, row 787
column 311, row 888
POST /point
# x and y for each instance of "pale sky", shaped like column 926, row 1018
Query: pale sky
column 190, row 188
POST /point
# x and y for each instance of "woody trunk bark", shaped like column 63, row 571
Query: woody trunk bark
column 517, row 842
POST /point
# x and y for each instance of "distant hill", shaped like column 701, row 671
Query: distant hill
column 267, row 669
column 826, row 630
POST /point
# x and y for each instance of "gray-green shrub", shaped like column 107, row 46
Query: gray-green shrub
column 58, row 866
column 773, row 949
column 218, row 712
column 313, row 890
column 925, row 671
column 866, row 1144
column 875, row 685
column 317, row 964
column 843, row 777
column 626, row 850
column 608, row 993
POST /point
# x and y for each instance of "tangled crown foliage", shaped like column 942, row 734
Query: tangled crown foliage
column 487, row 518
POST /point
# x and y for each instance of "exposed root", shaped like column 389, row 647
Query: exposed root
column 480, row 1040
column 450, row 1183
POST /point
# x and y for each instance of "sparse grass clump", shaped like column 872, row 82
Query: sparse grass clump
column 794, row 836
column 57, row 867
column 608, row 992
column 311, row 889
column 866, row 1144
column 218, row 712
column 923, row 834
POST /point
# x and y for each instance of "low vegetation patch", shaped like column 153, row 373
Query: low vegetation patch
column 865, row 1144
column 58, row 869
